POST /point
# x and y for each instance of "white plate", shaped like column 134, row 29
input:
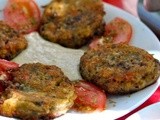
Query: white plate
column 43, row 51
column 151, row 112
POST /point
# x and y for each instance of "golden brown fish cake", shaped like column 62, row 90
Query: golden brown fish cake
column 11, row 42
column 37, row 92
column 119, row 69
column 72, row 23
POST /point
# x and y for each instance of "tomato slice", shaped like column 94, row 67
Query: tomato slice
column 7, row 65
column 22, row 15
column 95, row 42
column 116, row 31
column 89, row 97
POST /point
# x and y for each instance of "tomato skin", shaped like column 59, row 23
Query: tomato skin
column 116, row 31
column 7, row 65
column 22, row 15
column 5, row 69
column 94, row 43
column 89, row 97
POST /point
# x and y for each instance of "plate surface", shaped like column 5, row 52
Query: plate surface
column 148, row 113
column 40, row 50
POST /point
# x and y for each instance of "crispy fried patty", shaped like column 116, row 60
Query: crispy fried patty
column 38, row 91
column 72, row 23
column 11, row 42
column 119, row 69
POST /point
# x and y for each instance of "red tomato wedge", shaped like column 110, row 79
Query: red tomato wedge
column 89, row 97
column 95, row 42
column 22, row 15
column 7, row 65
column 116, row 31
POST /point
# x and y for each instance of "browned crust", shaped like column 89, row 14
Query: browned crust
column 119, row 69
column 72, row 23
column 11, row 42
column 37, row 91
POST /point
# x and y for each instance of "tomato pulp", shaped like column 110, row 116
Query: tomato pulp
column 22, row 15
column 116, row 31
column 89, row 97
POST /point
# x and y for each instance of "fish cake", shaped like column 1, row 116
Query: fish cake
column 11, row 42
column 37, row 91
column 72, row 23
column 119, row 68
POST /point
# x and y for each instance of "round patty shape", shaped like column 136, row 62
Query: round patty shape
column 72, row 23
column 38, row 92
column 119, row 69
column 11, row 42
